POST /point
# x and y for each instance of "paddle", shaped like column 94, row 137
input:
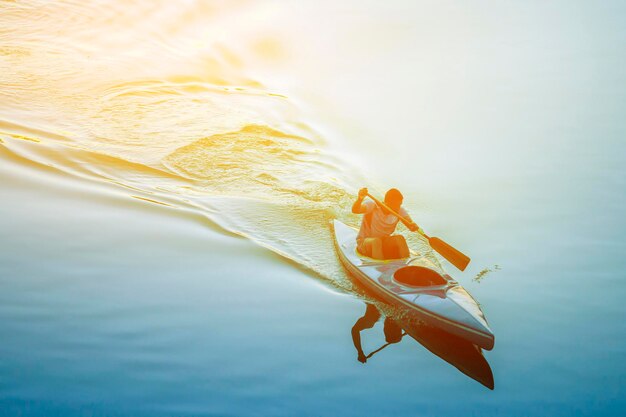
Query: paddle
column 384, row 346
column 454, row 256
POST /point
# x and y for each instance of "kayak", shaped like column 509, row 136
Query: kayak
column 415, row 284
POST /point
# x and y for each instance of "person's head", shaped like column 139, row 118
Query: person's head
column 393, row 198
column 393, row 332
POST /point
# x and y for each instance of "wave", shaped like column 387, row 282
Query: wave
column 173, row 121
column 278, row 190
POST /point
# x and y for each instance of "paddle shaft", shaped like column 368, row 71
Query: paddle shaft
column 456, row 257
column 383, row 346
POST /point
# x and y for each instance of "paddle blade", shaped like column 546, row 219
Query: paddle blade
column 455, row 257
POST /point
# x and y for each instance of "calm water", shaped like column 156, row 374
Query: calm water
column 169, row 171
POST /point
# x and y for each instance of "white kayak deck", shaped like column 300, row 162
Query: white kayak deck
column 444, row 304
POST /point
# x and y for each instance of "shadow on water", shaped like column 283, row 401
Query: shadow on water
column 462, row 354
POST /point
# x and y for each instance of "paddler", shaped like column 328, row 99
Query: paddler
column 376, row 238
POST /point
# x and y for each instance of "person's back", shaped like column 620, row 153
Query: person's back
column 377, row 223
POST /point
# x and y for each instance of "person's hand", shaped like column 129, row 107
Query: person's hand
column 362, row 358
column 362, row 193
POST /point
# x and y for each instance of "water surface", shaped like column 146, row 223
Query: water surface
column 169, row 171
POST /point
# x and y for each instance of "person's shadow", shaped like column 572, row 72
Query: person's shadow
column 393, row 332
column 461, row 353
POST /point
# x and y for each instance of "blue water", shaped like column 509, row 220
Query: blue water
column 166, row 318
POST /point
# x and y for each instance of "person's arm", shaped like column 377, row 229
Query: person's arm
column 357, row 207
column 356, row 339
column 366, row 322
